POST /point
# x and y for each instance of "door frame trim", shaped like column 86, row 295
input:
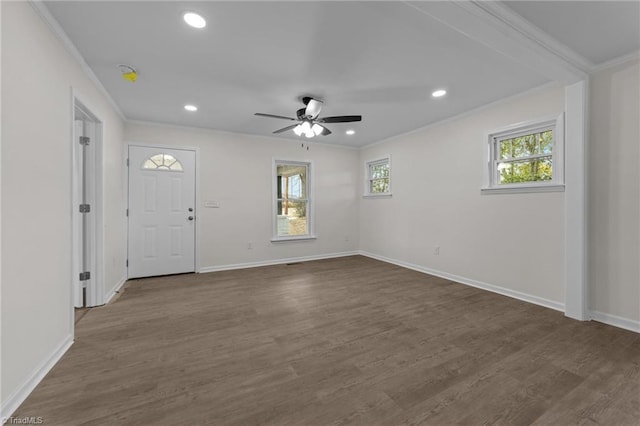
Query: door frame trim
column 196, row 150
column 78, row 100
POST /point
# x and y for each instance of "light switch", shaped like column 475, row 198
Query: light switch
column 211, row 204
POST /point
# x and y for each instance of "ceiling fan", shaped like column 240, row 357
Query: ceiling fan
column 308, row 122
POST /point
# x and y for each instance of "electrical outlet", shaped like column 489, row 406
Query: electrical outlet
column 249, row 245
column 436, row 251
column 346, row 238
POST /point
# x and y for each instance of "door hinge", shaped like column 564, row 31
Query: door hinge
column 84, row 276
column 127, row 162
column 127, row 262
column 84, row 140
column 127, row 212
column 85, row 208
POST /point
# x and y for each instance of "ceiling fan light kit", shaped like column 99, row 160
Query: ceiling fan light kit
column 309, row 120
column 308, row 129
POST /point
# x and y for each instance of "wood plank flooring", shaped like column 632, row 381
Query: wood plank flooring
column 339, row 341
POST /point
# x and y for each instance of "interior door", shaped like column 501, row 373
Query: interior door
column 79, row 235
column 84, row 209
column 161, row 211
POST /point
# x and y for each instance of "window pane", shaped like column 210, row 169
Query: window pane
column 149, row 164
column 176, row 166
column 527, row 145
column 540, row 169
column 505, row 149
column 292, row 181
column 379, row 186
column 524, row 156
column 292, row 217
column 162, row 162
column 157, row 159
column 379, row 176
column 292, row 202
column 518, row 147
column 377, row 171
column 546, row 142
column 530, row 145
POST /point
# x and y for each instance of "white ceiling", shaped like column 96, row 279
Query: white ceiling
column 600, row 31
column 378, row 59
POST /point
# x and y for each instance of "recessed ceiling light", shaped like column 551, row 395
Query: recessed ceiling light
column 191, row 108
column 439, row 93
column 195, row 20
column 350, row 132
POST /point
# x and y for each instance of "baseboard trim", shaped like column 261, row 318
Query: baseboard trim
column 616, row 321
column 115, row 290
column 557, row 306
column 11, row 404
column 276, row 262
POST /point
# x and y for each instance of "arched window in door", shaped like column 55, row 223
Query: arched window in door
column 165, row 162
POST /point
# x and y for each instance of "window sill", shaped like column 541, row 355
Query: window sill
column 387, row 195
column 523, row 189
column 290, row 239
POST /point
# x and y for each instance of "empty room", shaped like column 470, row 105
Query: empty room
column 320, row 212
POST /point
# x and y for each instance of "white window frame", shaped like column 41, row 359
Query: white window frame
column 491, row 177
column 386, row 159
column 309, row 191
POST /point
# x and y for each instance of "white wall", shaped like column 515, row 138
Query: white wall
column 1, row 363
column 37, row 76
column 236, row 171
column 512, row 241
column 614, row 195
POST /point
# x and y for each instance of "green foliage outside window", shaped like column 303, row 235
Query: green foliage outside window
column 379, row 178
column 526, row 158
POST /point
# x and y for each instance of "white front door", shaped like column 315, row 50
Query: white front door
column 161, row 211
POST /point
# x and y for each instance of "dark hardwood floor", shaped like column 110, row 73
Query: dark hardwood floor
column 339, row 341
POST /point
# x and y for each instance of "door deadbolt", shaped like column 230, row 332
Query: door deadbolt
column 190, row 218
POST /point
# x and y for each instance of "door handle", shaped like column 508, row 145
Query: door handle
column 190, row 218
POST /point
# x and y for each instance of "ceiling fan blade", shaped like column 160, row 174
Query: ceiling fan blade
column 340, row 119
column 313, row 108
column 284, row 129
column 325, row 131
column 275, row 116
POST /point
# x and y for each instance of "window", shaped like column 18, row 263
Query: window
column 378, row 177
column 292, row 200
column 526, row 158
column 165, row 162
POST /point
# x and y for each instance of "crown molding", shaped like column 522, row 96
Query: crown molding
column 54, row 26
column 497, row 27
column 621, row 60
column 535, row 34
column 212, row 131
